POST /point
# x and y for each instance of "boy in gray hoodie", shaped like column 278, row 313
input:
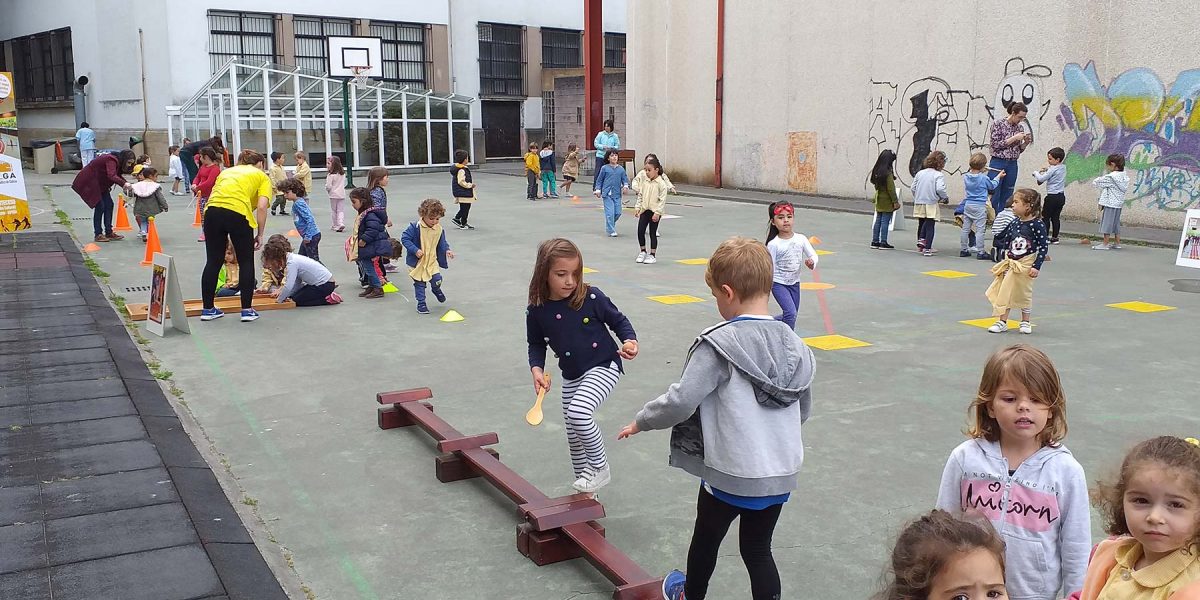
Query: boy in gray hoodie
column 735, row 417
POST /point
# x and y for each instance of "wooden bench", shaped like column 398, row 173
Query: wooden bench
column 140, row 312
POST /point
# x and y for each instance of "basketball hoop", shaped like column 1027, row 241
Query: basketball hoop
column 360, row 75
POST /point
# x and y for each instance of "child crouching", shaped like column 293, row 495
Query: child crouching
column 306, row 282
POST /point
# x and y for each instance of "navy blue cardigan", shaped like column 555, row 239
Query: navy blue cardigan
column 372, row 232
column 579, row 338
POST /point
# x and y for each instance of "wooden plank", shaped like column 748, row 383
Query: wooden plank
column 399, row 396
column 611, row 562
column 140, row 312
column 470, row 441
column 553, row 517
column 523, row 509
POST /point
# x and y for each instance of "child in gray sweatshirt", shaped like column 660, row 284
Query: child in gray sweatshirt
column 735, row 417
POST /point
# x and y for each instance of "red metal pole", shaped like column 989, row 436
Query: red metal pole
column 720, row 92
column 593, row 65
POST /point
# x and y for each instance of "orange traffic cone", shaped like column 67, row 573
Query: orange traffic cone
column 152, row 244
column 122, row 218
column 198, row 220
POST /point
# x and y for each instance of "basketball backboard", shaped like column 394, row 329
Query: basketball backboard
column 346, row 54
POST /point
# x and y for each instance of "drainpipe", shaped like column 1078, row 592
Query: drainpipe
column 720, row 92
column 80, row 100
column 142, row 66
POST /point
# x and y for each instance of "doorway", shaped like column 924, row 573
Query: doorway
column 502, row 127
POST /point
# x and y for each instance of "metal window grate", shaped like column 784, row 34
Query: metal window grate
column 44, row 66
column 548, row 114
column 312, row 45
column 614, row 50
column 403, row 52
column 250, row 36
column 501, row 60
column 562, row 48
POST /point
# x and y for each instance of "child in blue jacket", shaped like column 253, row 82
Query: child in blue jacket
column 310, row 234
column 611, row 182
column 428, row 252
column 371, row 242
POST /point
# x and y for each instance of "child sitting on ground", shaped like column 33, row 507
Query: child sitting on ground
column 308, row 282
column 310, row 234
column 736, row 416
column 942, row 556
column 428, row 252
column 273, row 278
column 148, row 200
column 227, row 278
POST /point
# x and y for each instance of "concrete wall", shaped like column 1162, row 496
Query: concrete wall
column 569, row 127
column 811, row 111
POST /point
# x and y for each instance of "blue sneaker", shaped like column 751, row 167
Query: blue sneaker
column 672, row 588
column 439, row 294
column 422, row 309
column 211, row 314
column 249, row 314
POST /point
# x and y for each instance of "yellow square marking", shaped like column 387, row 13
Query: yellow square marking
column 1141, row 307
column 986, row 322
column 824, row 252
column 816, row 285
column 834, row 342
column 693, row 261
column 676, row 299
column 948, row 274
column 587, row 270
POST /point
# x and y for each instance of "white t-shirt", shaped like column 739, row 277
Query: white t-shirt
column 788, row 257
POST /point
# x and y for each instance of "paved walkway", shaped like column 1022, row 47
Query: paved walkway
column 102, row 492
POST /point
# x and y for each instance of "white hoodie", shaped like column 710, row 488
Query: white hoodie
column 1041, row 511
column 1112, row 186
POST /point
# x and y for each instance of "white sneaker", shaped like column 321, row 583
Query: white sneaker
column 998, row 327
column 1115, row 247
column 1101, row 247
column 592, row 480
column 613, row 234
column 641, row 257
column 651, row 259
column 1026, row 327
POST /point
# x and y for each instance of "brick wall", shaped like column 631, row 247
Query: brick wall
column 569, row 119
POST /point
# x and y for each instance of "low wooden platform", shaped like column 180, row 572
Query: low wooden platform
column 140, row 312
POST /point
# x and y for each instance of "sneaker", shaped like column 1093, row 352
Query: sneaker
column 651, row 259
column 457, row 224
column 641, row 257
column 1026, row 327
column 102, row 238
column 334, row 298
column 249, row 314
column 920, row 244
column 552, row 195
column 211, row 314
column 1115, row 247
column 469, row 227
column 273, row 213
column 672, row 587
column 927, row 253
column 592, row 480
column 201, row 238
column 964, row 253
column 373, row 292
column 391, row 268
column 422, row 309
column 340, row 229
column 284, row 213
column 998, row 327
column 984, row 256
column 1054, row 241
column 875, row 245
column 613, row 234
column 1101, row 247
column 365, row 291
column 112, row 235
column 886, row 246
column 439, row 294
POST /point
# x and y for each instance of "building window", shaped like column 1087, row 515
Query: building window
column 562, row 48
column 403, row 52
column 548, row 115
column 44, row 70
column 312, row 45
column 614, row 50
column 250, row 36
column 501, row 60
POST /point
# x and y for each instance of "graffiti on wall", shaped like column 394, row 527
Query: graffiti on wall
column 931, row 114
column 802, row 161
column 1156, row 129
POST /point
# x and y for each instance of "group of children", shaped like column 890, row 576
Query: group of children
column 541, row 166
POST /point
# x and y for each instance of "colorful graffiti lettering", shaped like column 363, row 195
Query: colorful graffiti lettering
column 1156, row 129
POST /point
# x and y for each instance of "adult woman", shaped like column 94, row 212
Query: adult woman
column 236, row 207
column 94, row 183
column 188, row 152
column 605, row 140
column 1008, row 140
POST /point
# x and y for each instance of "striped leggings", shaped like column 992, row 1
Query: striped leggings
column 580, row 399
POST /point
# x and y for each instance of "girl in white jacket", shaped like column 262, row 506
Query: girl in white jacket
column 1113, row 186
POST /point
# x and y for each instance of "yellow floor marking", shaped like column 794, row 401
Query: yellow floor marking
column 589, row 270
column 824, row 252
column 834, row 342
column 986, row 322
column 949, row 274
column 675, row 299
column 693, row 261
column 1140, row 307
column 816, row 285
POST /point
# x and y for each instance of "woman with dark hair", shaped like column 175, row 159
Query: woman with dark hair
column 94, row 184
column 887, row 202
column 605, row 140
column 1009, row 137
column 188, row 152
column 236, row 207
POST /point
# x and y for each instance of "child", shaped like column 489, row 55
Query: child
column 928, row 189
column 335, row 186
column 428, row 252
column 1016, row 471
column 573, row 319
column 206, row 177
column 788, row 251
column 533, row 168
column 651, row 206
column 942, row 557
column 1024, row 250
column 887, row 202
column 148, row 200
column 1054, row 175
column 462, row 187
column 974, row 206
column 278, row 176
column 999, row 224
column 377, row 182
column 176, row 173
column 303, row 171
column 307, row 282
column 1154, row 509
column 1113, row 186
column 570, row 170
column 611, row 182
column 736, row 415
column 306, row 225
column 546, row 161
column 272, row 279
column 369, row 242
column 227, row 278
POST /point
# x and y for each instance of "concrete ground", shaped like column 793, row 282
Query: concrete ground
column 289, row 400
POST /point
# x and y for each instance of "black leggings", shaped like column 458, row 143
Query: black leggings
column 647, row 219
column 713, row 518
column 464, row 209
column 925, row 231
column 222, row 226
column 314, row 295
column 1052, row 208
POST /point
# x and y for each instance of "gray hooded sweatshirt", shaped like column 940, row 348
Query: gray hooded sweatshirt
column 737, row 409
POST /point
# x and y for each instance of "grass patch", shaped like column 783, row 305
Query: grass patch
column 161, row 375
column 15, row 428
column 95, row 268
column 248, row 501
column 63, row 218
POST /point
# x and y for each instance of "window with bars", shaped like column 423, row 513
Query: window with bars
column 312, row 45
column 403, row 52
column 548, row 114
column 250, row 36
column 562, row 48
column 43, row 66
column 614, row 50
column 501, row 60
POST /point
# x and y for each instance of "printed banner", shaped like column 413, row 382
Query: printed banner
column 14, row 202
column 165, row 295
column 1189, row 241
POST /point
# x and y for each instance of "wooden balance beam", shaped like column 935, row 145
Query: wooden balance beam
column 140, row 312
column 552, row 529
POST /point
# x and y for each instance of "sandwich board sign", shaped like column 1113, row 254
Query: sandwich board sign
column 14, row 202
column 165, row 295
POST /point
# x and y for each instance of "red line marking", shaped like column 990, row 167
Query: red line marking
column 824, row 304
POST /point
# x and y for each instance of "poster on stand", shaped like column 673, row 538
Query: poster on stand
column 1189, row 241
column 14, row 201
column 165, row 296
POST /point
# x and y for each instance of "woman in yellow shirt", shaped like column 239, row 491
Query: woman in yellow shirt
column 236, row 207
